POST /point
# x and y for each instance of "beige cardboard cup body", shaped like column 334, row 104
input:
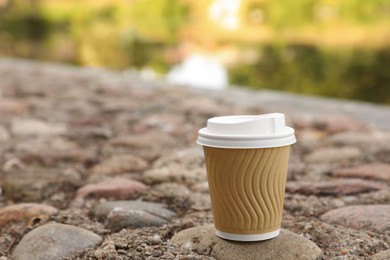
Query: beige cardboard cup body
column 247, row 188
column 247, row 176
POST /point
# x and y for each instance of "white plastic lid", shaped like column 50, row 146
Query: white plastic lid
column 248, row 131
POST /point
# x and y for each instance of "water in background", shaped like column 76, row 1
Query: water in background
column 319, row 47
column 199, row 71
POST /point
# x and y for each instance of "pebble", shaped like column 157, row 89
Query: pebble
column 202, row 187
column 12, row 107
column 206, row 107
column 309, row 137
column 170, row 191
column 383, row 155
column 118, row 188
column 6, row 242
column 383, row 255
column 51, row 157
column 338, row 187
column 33, row 127
column 118, row 215
column 361, row 140
column 117, row 106
column 295, row 169
column 365, row 217
column 200, row 201
column 183, row 166
column 310, row 205
column 376, row 171
column 334, row 123
column 4, row 134
column 54, row 241
column 119, row 219
column 29, row 213
column 333, row 154
column 107, row 251
column 34, row 184
column 150, row 140
column 118, row 164
column 174, row 173
column 286, row 246
column 163, row 122
column 156, row 209
column 83, row 132
column 44, row 144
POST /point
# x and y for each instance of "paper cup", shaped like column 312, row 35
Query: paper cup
column 247, row 173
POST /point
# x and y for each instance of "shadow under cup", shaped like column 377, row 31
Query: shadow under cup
column 247, row 189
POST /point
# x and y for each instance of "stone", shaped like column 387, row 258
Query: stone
column 174, row 173
column 117, row 105
column 44, row 144
column 35, row 184
column 83, row 132
column 119, row 219
column 118, row 164
column 12, row 107
column 334, row 123
column 204, row 106
column 301, row 205
column 202, row 187
column 310, row 137
column 183, row 166
column 367, row 217
column 295, row 169
column 6, row 242
column 33, row 127
column 54, row 241
column 170, row 191
column 286, row 246
column 339, row 242
column 383, row 155
column 51, row 157
column 200, row 201
column 376, row 171
column 163, row 122
column 150, row 140
column 333, row 154
column 339, row 187
column 382, row 255
column 118, row 188
column 74, row 103
column 361, row 140
column 29, row 213
column 102, row 211
column 107, row 251
column 4, row 134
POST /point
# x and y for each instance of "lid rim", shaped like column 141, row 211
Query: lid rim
column 247, row 143
column 203, row 132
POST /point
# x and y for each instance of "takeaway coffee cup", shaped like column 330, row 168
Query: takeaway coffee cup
column 246, row 159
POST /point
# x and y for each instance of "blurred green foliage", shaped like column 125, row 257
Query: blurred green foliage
column 361, row 74
column 323, row 47
column 115, row 33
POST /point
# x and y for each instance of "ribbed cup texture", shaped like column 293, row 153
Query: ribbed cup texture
column 247, row 188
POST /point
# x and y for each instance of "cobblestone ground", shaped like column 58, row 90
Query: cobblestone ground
column 101, row 165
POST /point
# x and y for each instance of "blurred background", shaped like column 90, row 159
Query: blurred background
column 336, row 48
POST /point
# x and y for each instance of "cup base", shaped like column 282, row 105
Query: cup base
column 248, row 238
